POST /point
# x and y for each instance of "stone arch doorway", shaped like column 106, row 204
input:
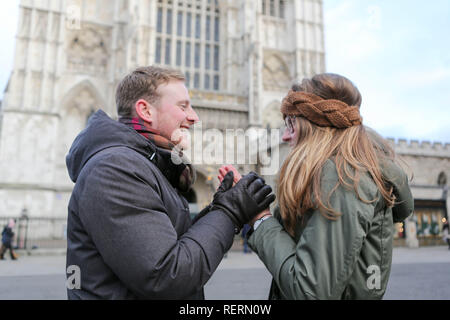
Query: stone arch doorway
column 78, row 105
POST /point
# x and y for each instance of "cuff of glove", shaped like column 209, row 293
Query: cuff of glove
column 237, row 224
column 202, row 213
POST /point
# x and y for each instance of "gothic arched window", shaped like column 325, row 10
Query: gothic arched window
column 188, row 38
column 274, row 8
column 442, row 179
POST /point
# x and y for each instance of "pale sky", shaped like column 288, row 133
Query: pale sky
column 396, row 52
column 398, row 55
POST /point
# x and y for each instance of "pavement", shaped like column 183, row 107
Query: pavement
column 422, row 273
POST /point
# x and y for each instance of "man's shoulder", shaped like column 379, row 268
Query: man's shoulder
column 118, row 154
column 121, row 158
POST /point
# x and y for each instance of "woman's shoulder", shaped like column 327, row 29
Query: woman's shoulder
column 331, row 178
column 398, row 179
column 392, row 172
column 329, row 171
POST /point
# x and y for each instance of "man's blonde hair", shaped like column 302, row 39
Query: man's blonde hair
column 142, row 83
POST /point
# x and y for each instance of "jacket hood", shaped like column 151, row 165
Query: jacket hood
column 101, row 133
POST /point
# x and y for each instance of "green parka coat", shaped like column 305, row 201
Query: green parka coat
column 349, row 258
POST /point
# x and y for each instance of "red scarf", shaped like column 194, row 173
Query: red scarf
column 186, row 176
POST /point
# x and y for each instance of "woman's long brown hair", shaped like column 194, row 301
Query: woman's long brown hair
column 354, row 151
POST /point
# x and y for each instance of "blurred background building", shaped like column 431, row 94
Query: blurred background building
column 240, row 57
column 429, row 165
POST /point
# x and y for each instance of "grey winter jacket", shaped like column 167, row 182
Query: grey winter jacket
column 129, row 229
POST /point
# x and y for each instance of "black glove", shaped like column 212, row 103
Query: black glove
column 226, row 184
column 249, row 197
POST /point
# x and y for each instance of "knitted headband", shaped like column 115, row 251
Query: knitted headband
column 324, row 113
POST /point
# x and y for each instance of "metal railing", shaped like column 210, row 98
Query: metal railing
column 38, row 233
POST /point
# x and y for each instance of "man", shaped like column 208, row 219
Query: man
column 129, row 229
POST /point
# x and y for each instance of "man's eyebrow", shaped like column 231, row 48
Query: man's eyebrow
column 184, row 102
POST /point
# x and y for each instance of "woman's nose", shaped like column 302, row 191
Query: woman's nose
column 286, row 136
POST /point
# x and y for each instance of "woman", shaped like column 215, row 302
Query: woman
column 445, row 234
column 339, row 194
column 7, row 237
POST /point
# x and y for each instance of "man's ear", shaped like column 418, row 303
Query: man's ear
column 144, row 110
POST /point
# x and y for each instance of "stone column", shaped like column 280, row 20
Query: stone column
column 411, row 233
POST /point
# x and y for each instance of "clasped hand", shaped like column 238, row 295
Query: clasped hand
column 245, row 199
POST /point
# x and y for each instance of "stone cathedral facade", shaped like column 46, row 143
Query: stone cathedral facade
column 240, row 57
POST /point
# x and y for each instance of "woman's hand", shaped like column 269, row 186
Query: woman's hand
column 237, row 176
column 225, row 169
column 247, row 199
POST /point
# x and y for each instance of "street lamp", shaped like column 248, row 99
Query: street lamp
column 24, row 217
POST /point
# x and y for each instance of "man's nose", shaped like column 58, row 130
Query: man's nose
column 192, row 116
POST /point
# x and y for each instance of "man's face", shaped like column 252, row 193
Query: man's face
column 173, row 113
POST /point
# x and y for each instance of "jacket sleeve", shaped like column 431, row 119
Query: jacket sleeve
column 404, row 201
column 319, row 265
column 126, row 218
